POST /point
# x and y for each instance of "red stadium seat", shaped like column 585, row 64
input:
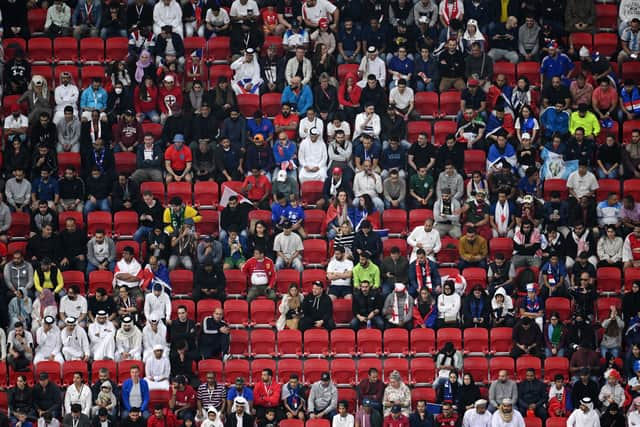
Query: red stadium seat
column 607, row 186
column 73, row 277
column 423, row 370
column 499, row 363
column 318, row 422
column 45, row 71
column 260, row 215
column 530, row 70
column 125, row 162
column 263, row 312
column 395, row 220
column 311, row 192
column 210, row 222
column 180, row 189
column 258, row 365
column 9, row 100
column 77, row 216
column 364, row 364
column 51, row 367
column 71, row 69
column 525, row 362
column 181, row 282
column 603, row 306
column 233, row 185
column 475, row 276
column 288, row 367
column 313, row 222
column 417, row 217
column 92, row 72
column 506, row 68
column 273, row 40
column 11, row 44
column 194, row 43
column 154, row 128
column 234, row 368
column 502, row 245
column 236, row 282
column 449, row 251
column 559, row 304
column 415, row 128
column 121, row 244
column 609, row 280
column 206, row 307
column 400, row 364
column 441, row 129
column 474, row 160
column 428, row 394
column 532, row 422
column 452, row 335
column 124, row 369
column 210, row 365
column 156, row 188
column 344, row 69
column 206, row 194
column 36, row 18
column 97, row 220
column 271, row 104
column 27, row 373
column 312, row 275
column 343, row 342
column 100, row 279
column 476, row 340
column 426, row 103
column 578, row 40
column 342, row 372
column 68, row 159
column 388, row 244
column 423, row 342
column 631, row 275
column 217, row 71
column 92, row 50
column 218, row 49
column 555, row 185
column 315, row 253
column 450, row 103
column 289, row 342
column 314, row 368
column 190, row 305
column 4, row 399
column 316, row 342
column 606, row 17
column 16, row 246
column 125, row 223
column 286, row 277
column 20, row 225
column 631, row 187
column 159, row 398
column 65, row 50
column 40, row 50
column 236, row 311
column 605, row 43
column 477, row 367
column 396, row 341
column 248, row 104
column 116, row 49
column 554, row 366
column 342, row 312
column 70, row 367
column 369, row 341
column 614, row 131
column 263, row 343
column 628, row 127
column 630, row 71
column 501, row 340
column 109, row 365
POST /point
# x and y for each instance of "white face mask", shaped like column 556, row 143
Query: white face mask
column 118, row 90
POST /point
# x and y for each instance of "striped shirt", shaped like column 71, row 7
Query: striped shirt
column 211, row 397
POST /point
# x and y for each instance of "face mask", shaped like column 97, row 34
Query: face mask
column 118, row 91
column 285, row 114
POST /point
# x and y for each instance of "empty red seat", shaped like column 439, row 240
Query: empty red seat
column 556, row 366
column 477, row 367
column 312, row 275
column 343, row 342
column 271, row 104
column 236, row 282
column 263, row 312
column 288, row 367
column 559, row 304
column 316, row 342
column 187, row 304
column 579, row 40
column 609, row 279
column 506, row 68
column 342, row 312
column 259, row 365
column 248, row 104
column 180, row 189
column 344, row 69
column 450, row 102
column 217, row 71
column 426, row 103
column 502, row 245
column 125, row 223
column 125, row 162
column 181, row 282
column 604, row 304
column 98, row 220
column 428, row 394
column 530, row 70
column 423, row 370
column 315, row 252
column 342, row 371
column 261, row 215
column 499, row 363
column 423, row 342
column 116, row 49
column 218, row 49
column 452, row 335
column 65, row 49
column 474, row 160
column 53, row 368
column 285, row 278
column 395, row 220
column 314, row 222
column 234, row 368
column 20, row 225
column 400, row 364
column 476, row 340
column 396, row 341
column 125, row 366
column 289, row 342
column 209, row 224
column 236, row 312
column 36, row 18
column 605, row 43
column 40, row 50
column 73, row 277
column 263, row 343
column 210, row 365
column 70, row 367
column 415, row 128
column 193, row 43
column 501, row 340
column 311, row 192
column 366, row 364
column 369, row 341
column 205, row 194
column 66, row 160
column 206, row 307
column 417, row 217
column 92, row 50
column 559, row 185
column 475, row 276
column 441, row 129
column 631, row 187
column 606, row 16
column 526, row 362
column 159, row 398
column 100, row 279
column 109, row 365
column 389, row 244
column 314, row 368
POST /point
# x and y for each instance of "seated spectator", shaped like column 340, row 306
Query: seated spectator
column 612, row 392
column 532, row 395
column 532, row 306
column 502, row 215
column 501, row 389
column 502, row 309
column 317, row 310
column 260, row 272
column 448, row 416
column 398, row 308
column 290, row 309
column 447, row 221
column 476, row 215
column 323, row 398
column 472, row 249
column 449, row 304
column 608, row 158
column 288, row 247
column 178, row 161
column 553, row 275
column 612, row 337
column 214, row 339
column 19, row 310
column 246, row 77
column 394, row 189
column 527, row 339
column 421, row 189
column 75, row 346
column 397, row 395
column 476, row 309
column 339, row 272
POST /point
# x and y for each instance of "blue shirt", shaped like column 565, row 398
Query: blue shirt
column 278, row 212
column 295, row 215
column 377, row 39
column 393, row 158
column 93, row 99
column 265, row 128
column 558, row 66
column 246, row 393
column 349, row 40
column 45, row 190
column 362, row 154
column 401, row 66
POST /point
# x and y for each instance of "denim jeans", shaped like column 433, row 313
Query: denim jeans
column 99, row 205
column 141, row 233
column 91, row 267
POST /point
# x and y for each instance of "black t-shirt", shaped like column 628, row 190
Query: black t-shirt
column 107, row 305
column 290, row 9
column 422, row 155
column 473, row 100
column 556, row 95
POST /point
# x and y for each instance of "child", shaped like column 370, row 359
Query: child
column 213, row 418
column 269, row 419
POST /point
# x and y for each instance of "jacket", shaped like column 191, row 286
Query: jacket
column 154, row 163
column 144, row 391
column 18, row 276
column 323, row 310
column 365, row 304
column 630, row 101
column 82, row 14
column 161, row 45
column 589, row 123
column 301, row 101
column 292, row 67
column 531, row 392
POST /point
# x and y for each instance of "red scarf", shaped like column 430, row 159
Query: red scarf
column 424, row 280
column 452, row 13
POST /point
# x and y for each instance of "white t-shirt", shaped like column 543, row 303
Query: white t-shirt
column 582, row 185
column 73, row 308
column 21, row 122
column 401, row 100
column 322, row 9
column 218, row 21
column 288, row 244
column 238, row 9
column 336, row 266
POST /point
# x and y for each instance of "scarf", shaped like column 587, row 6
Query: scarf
column 294, row 400
column 140, row 66
column 423, row 275
column 395, row 316
column 555, row 333
column 501, row 217
column 47, row 300
column 447, row 391
column 177, row 218
column 506, row 417
column 581, row 241
column 477, row 305
column 553, row 274
column 95, row 131
column 333, row 189
column 450, row 11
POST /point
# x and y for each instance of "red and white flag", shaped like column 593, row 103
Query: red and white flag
column 227, row 193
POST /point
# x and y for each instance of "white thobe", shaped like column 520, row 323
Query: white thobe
column 306, row 125
column 245, row 73
column 102, row 337
column 82, row 397
column 157, row 372
column 429, row 241
column 49, row 343
column 159, row 305
column 131, row 345
column 516, row 420
column 312, row 154
column 167, row 15
column 473, row 419
column 151, row 339
column 75, row 344
column 65, row 95
column 377, row 67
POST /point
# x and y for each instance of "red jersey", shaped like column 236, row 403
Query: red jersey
column 170, row 99
column 401, row 421
column 444, row 421
column 267, row 395
column 168, row 419
column 260, row 272
column 178, row 158
column 258, row 187
column 147, row 103
column 281, row 120
column 186, row 398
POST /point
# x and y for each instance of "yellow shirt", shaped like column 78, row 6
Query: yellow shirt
column 504, row 10
column 48, row 284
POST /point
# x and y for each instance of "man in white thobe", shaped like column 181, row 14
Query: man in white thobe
column 246, row 77
column 158, row 369
column 157, row 303
column 102, row 335
column 478, row 416
column 312, row 157
column 65, row 94
column 49, row 343
column 128, row 341
column 153, row 334
column 75, row 343
column 167, row 12
column 427, row 238
column 507, row 416
column 372, row 64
